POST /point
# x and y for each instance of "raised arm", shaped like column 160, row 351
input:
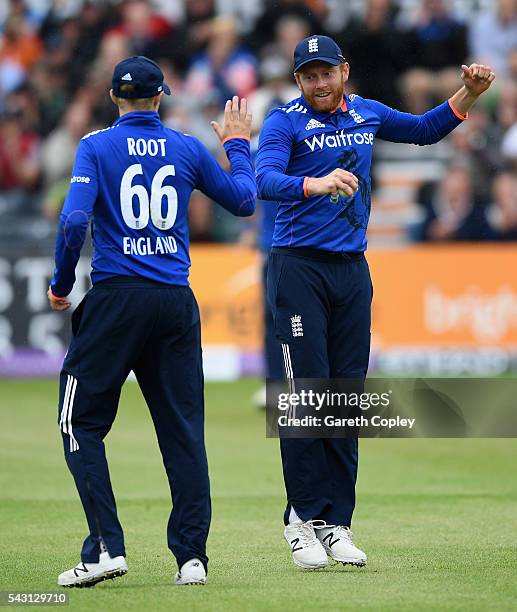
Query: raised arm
column 73, row 225
column 237, row 191
column 436, row 123
column 274, row 151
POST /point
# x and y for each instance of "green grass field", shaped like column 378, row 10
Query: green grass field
column 437, row 518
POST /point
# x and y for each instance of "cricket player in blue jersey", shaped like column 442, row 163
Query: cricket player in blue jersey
column 314, row 160
column 133, row 181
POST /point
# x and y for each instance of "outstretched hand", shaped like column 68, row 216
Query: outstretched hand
column 237, row 120
column 477, row 77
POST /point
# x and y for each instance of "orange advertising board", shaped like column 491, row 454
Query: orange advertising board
column 226, row 282
column 458, row 295
column 424, row 296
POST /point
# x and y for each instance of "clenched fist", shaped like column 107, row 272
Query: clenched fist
column 477, row 77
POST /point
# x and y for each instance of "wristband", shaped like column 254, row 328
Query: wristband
column 55, row 298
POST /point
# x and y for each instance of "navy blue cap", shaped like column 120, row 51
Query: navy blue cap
column 317, row 48
column 143, row 77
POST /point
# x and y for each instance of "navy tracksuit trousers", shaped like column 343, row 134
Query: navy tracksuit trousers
column 321, row 307
column 126, row 324
column 274, row 362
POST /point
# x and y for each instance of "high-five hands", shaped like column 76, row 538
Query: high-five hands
column 237, row 120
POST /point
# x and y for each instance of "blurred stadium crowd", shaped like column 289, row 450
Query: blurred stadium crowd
column 57, row 57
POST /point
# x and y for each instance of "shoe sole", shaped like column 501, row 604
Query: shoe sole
column 349, row 562
column 355, row 562
column 191, row 583
column 310, row 567
column 93, row 581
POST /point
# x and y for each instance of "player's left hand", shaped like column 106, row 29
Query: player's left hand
column 57, row 303
column 237, row 120
column 477, row 77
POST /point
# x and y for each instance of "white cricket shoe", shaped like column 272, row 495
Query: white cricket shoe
column 305, row 546
column 89, row 574
column 337, row 542
column 191, row 572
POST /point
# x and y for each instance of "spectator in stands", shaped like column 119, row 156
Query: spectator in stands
column 372, row 45
column 502, row 212
column 49, row 86
column 94, row 19
column 288, row 32
column 57, row 156
column 493, row 36
column 194, row 32
column 435, row 46
column 202, row 111
column 476, row 145
column 20, row 49
column 23, row 103
column 506, row 107
column 310, row 12
column 504, row 129
column 19, row 164
column 224, row 66
column 147, row 33
column 509, row 146
column 452, row 212
column 277, row 88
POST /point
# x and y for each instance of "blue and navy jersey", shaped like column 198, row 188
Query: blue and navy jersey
column 133, row 180
column 297, row 142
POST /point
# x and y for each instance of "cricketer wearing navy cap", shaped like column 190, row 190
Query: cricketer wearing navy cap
column 322, row 48
column 138, row 77
column 133, row 182
column 314, row 160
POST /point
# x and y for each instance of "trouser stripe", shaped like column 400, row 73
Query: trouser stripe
column 66, row 411
column 290, row 379
column 62, row 421
column 73, row 442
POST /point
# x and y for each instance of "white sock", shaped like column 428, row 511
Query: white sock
column 293, row 517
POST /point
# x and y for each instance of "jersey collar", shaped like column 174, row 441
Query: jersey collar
column 139, row 117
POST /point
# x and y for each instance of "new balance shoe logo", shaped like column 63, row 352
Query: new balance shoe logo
column 296, row 326
column 331, row 542
column 126, row 77
column 313, row 45
column 80, row 569
column 356, row 116
column 313, row 123
column 294, row 544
